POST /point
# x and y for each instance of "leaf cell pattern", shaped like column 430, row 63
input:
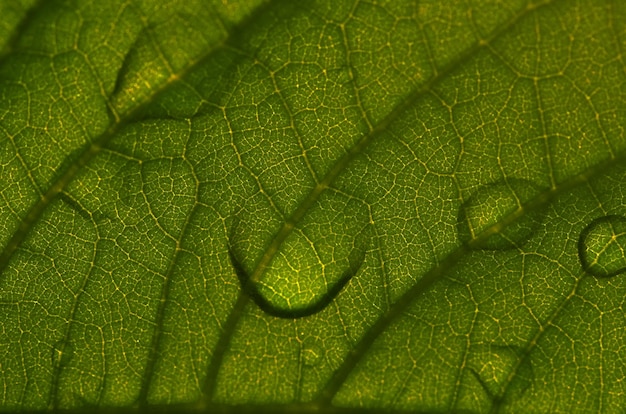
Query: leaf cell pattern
column 430, row 195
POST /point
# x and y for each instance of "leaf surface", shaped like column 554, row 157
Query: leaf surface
column 313, row 205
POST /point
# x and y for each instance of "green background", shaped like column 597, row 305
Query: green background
column 171, row 173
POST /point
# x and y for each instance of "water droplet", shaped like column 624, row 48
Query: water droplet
column 602, row 246
column 502, row 371
column 62, row 353
column 306, row 265
column 497, row 217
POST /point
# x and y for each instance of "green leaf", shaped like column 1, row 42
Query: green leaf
column 321, row 205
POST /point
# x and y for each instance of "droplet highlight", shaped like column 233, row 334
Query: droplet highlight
column 498, row 217
column 602, row 246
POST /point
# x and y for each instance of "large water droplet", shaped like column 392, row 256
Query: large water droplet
column 306, row 264
column 602, row 246
column 497, row 215
column 502, row 371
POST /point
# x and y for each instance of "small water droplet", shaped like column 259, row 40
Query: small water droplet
column 496, row 216
column 602, row 246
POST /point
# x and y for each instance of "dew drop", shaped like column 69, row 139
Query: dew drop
column 259, row 292
column 497, row 217
column 301, row 273
column 602, row 246
column 493, row 365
